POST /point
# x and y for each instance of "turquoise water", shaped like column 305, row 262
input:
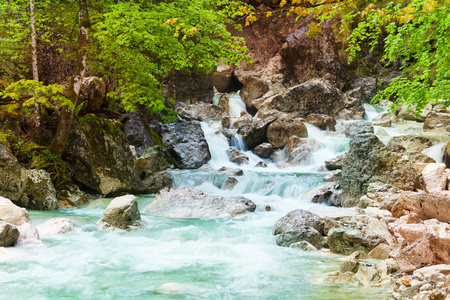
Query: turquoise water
column 233, row 258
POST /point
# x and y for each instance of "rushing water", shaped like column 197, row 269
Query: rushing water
column 232, row 258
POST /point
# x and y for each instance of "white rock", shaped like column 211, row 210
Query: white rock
column 56, row 226
column 11, row 213
column 434, row 177
column 29, row 236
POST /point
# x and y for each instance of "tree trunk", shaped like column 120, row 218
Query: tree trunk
column 73, row 91
column 34, row 62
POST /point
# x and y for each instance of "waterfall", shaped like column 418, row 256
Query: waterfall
column 436, row 152
column 236, row 105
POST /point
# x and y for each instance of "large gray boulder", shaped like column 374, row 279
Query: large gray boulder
column 40, row 191
column 121, row 214
column 255, row 132
column 192, row 203
column 139, row 133
column 102, row 160
column 201, row 112
column 9, row 234
column 154, row 159
column 349, row 240
column 296, row 219
column 412, row 142
column 279, row 132
column 186, row 143
column 13, row 178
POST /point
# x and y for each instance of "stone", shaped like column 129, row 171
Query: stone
column 336, row 198
column 349, row 265
column 29, row 236
column 340, row 278
column 323, row 194
column 302, row 233
column 298, row 218
column 378, row 192
column 425, row 205
column 226, row 122
column 304, row 245
column 279, row 132
column 237, row 157
column 347, row 240
column 70, row 196
column 40, row 190
column 253, row 89
column 363, row 88
column 428, row 273
column 382, row 229
column 93, row 91
column 304, row 151
column 380, row 252
column 192, row 203
column 261, row 164
column 190, row 88
column 434, row 177
column 335, row 163
column 56, row 226
column 204, row 112
column 153, row 183
column 121, row 214
column 186, row 143
column 382, row 120
column 229, row 172
column 11, row 213
column 334, row 176
column 154, row 159
column 292, row 144
column 358, row 128
column 324, row 122
column 412, row 142
column 139, row 133
column 255, row 133
column 230, row 183
column 437, row 122
column 264, row 150
column 223, row 77
column 378, row 274
column 266, row 208
column 101, row 159
column 245, row 118
column 9, row 234
column 409, row 113
column 14, row 178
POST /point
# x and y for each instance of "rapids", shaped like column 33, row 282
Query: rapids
column 233, row 258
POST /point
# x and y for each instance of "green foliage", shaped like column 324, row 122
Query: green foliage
column 31, row 91
column 142, row 44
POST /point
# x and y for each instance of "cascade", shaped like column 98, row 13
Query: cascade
column 236, row 105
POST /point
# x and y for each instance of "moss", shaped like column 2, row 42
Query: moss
column 101, row 125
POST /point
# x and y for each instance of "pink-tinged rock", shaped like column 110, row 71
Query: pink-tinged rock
column 425, row 205
column 428, row 273
column 434, row 177
column 428, row 247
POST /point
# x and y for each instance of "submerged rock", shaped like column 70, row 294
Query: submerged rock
column 192, row 203
column 121, row 214
column 237, row 157
column 323, row 194
column 264, row 150
column 229, row 172
column 56, row 226
column 230, row 183
column 186, row 143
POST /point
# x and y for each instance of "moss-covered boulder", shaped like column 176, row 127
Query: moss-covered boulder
column 101, row 157
column 40, row 190
column 13, row 178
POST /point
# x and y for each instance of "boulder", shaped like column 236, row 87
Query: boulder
column 348, row 240
column 304, row 245
column 186, row 143
column 40, row 191
column 155, row 182
column 324, row 122
column 201, row 112
column 9, row 234
column 139, row 133
column 279, row 132
column 380, row 252
column 229, row 172
column 190, row 88
column 224, row 102
column 237, row 157
column 434, row 177
column 382, row 229
column 425, row 205
column 264, row 150
column 296, row 219
column 153, row 160
column 412, row 142
column 437, row 122
column 334, row 176
column 223, row 78
column 409, row 113
column 13, row 179
column 335, row 163
column 230, row 183
column 94, row 92
column 429, row 246
column 380, row 194
column 323, row 194
column 298, row 234
column 100, row 157
column 255, row 133
column 29, row 236
column 192, row 203
column 358, row 128
column 383, row 120
column 363, row 88
column 56, row 226
column 253, row 89
column 245, row 118
column 121, row 214
column 70, row 196
column 11, row 213
column 303, row 153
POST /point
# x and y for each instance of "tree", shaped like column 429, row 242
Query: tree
column 34, row 59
